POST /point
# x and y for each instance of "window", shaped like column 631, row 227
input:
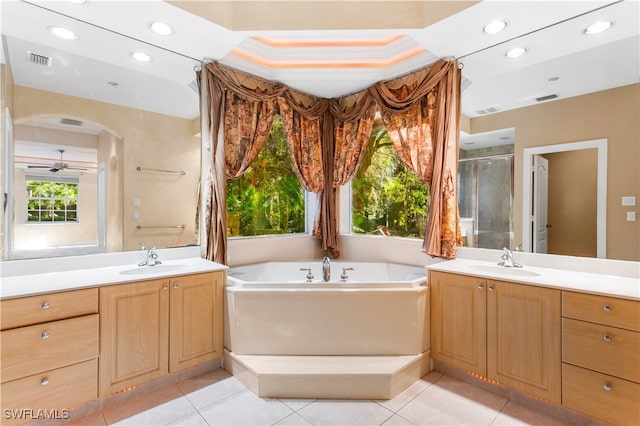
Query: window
column 268, row 198
column 387, row 197
column 52, row 199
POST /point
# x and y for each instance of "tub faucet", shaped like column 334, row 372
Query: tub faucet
column 152, row 258
column 507, row 260
column 326, row 269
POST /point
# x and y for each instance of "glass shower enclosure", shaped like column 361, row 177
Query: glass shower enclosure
column 485, row 198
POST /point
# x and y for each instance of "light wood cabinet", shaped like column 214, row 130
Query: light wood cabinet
column 152, row 328
column 458, row 321
column 48, row 356
column 601, row 357
column 504, row 331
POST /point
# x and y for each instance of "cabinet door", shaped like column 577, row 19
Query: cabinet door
column 523, row 338
column 196, row 319
column 134, row 332
column 458, row 321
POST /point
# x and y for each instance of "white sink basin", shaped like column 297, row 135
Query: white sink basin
column 495, row 269
column 148, row 270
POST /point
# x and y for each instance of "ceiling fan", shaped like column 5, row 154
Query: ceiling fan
column 56, row 167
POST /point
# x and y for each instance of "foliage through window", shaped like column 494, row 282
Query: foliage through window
column 268, row 198
column 387, row 197
column 52, row 199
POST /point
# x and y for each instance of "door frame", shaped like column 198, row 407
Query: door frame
column 601, row 197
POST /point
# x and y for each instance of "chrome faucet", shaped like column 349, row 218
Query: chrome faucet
column 326, row 269
column 507, row 260
column 152, row 258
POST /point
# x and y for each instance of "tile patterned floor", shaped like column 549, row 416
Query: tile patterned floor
column 216, row 398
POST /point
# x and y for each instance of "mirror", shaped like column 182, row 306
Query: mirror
column 570, row 107
column 106, row 152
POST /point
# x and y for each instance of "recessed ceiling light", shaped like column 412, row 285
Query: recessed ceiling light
column 516, row 52
column 598, row 27
column 160, row 28
column 495, row 27
column 63, row 33
column 140, row 57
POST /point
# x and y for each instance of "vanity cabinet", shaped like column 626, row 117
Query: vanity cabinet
column 49, row 352
column 503, row 331
column 601, row 357
column 151, row 328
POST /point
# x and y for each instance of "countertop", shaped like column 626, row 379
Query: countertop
column 31, row 284
column 584, row 282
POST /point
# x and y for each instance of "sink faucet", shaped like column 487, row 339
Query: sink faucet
column 507, row 259
column 326, row 269
column 152, row 258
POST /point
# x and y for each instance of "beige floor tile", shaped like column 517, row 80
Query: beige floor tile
column 141, row 403
column 411, row 392
column 192, row 420
column 330, row 412
column 450, row 401
column 516, row 414
column 296, row 404
column 293, row 420
column 245, row 408
column 215, row 391
column 397, row 420
column 163, row 414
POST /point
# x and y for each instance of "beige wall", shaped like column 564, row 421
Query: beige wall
column 572, row 202
column 148, row 140
column 612, row 114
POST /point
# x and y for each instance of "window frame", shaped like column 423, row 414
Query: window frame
column 52, row 179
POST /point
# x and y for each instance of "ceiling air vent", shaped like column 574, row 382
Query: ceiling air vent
column 547, row 98
column 489, row 110
column 39, row 59
column 70, row 122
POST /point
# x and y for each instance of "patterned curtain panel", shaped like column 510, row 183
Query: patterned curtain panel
column 422, row 118
column 326, row 139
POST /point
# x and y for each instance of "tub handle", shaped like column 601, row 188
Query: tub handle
column 309, row 274
column 344, row 277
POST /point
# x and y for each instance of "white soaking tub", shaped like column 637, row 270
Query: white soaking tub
column 364, row 338
column 382, row 309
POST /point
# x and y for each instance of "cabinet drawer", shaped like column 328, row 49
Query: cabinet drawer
column 602, row 309
column 602, row 348
column 30, row 350
column 56, row 389
column 600, row 396
column 48, row 307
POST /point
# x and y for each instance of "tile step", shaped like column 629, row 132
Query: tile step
column 344, row 377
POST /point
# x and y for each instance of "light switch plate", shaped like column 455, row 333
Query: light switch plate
column 631, row 216
column 629, row 201
column 136, row 202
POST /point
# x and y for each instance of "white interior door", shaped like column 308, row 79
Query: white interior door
column 540, row 203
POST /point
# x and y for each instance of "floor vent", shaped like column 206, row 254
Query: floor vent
column 39, row 59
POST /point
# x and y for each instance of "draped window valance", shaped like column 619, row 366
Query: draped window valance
column 327, row 137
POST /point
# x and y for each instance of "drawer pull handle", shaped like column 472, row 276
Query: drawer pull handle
column 45, row 305
column 45, row 335
column 491, row 288
column 480, row 286
column 607, row 386
column 176, row 285
column 44, row 382
column 165, row 287
column 607, row 308
column 607, row 337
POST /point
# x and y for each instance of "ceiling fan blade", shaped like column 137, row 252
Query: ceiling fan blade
column 38, row 167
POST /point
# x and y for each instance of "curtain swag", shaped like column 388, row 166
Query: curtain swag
column 326, row 139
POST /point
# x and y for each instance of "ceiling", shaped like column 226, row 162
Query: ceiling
column 327, row 49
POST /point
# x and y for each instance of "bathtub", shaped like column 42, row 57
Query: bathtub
column 381, row 309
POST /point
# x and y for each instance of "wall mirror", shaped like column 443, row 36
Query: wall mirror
column 105, row 149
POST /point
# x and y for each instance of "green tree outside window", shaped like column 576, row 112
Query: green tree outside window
column 52, row 201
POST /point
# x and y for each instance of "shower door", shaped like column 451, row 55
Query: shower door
column 486, row 196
